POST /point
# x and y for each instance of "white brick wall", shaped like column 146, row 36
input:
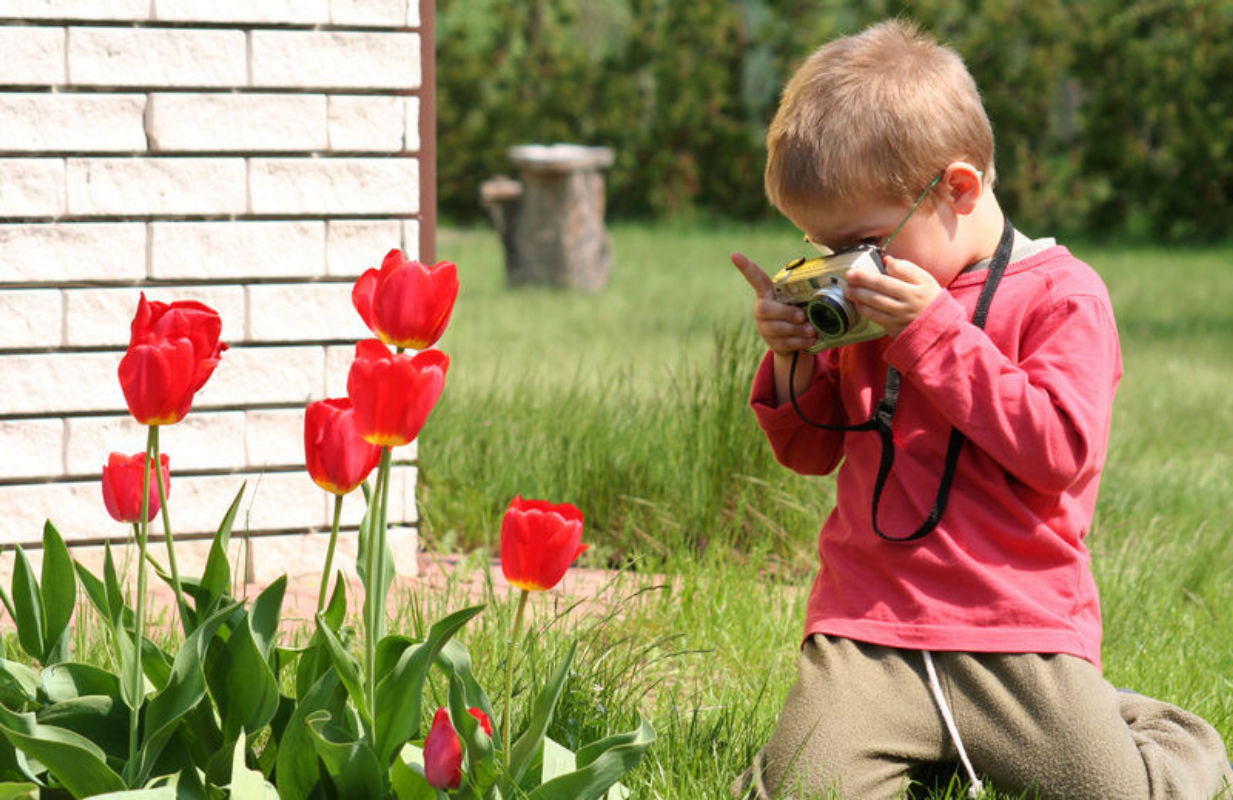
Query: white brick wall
column 258, row 163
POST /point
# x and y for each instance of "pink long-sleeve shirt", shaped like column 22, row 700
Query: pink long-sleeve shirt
column 1006, row 570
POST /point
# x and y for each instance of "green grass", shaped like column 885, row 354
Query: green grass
column 630, row 403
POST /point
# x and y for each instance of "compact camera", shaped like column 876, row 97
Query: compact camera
column 817, row 285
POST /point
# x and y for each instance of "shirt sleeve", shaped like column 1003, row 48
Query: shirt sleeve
column 1043, row 416
column 797, row 445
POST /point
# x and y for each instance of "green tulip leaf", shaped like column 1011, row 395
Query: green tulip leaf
column 215, row 584
column 389, row 650
column 296, row 768
column 399, row 693
column 126, row 653
column 184, row 690
column 160, row 793
column 600, row 765
column 265, row 613
column 27, row 606
column 247, row 784
column 19, row 684
column 347, row 667
column 59, row 594
column 76, row 762
column 351, row 764
column 114, row 593
column 67, row 680
column 529, row 743
column 95, row 591
column 407, row 777
column 244, row 687
column 455, row 659
column 480, row 764
column 19, row 791
column 103, row 719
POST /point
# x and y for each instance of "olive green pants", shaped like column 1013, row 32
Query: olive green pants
column 861, row 723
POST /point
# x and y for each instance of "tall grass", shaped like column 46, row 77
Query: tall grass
column 631, row 403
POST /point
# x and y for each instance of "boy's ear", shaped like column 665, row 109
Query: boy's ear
column 962, row 184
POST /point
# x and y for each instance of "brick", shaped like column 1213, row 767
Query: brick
column 272, row 501
column 203, row 440
column 389, row 13
column 30, row 318
column 411, row 238
column 335, row 60
column 302, row 557
column 264, row 375
column 411, row 124
column 33, row 56
column 154, row 186
column 157, row 57
column 32, row 187
column 72, row 122
column 71, row 251
column 354, row 246
column 401, row 510
column 338, row 360
column 102, row 317
column 237, row 250
column 31, row 447
column 359, row 123
column 54, row 382
column 74, row 507
column 274, row 437
column 280, row 312
column 413, row 13
column 230, row 122
column 290, row 12
column 118, row 10
column 334, row 185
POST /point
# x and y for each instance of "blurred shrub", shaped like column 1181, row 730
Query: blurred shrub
column 1110, row 116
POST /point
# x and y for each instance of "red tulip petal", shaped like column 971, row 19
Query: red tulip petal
column 362, row 295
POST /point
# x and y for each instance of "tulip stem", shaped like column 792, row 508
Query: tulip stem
column 141, row 530
column 375, row 591
column 181, row 606
column 509, row 676
column 329, row 553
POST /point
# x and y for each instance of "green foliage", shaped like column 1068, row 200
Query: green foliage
column 1110, row 117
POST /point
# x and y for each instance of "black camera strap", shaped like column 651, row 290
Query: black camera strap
column 882, row 420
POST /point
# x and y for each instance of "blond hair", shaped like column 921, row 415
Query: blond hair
column 880, row 113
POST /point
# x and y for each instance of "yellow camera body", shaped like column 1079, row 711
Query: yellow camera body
column 818, row 284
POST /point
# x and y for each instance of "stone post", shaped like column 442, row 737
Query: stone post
column 551, row 222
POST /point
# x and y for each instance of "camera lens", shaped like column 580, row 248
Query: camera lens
column 831, row 313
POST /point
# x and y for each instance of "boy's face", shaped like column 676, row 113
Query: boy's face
column 928, row 238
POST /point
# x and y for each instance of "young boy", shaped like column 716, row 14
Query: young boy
column 954, row 619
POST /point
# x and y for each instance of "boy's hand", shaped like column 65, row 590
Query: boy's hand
column 895, row 299
column 783, row 327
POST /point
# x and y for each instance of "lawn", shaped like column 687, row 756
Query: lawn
column 630, row 403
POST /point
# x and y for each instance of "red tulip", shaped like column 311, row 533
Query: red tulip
column 338, row 459
column 171, row 354
column 539, row 541
column 122, row 486
column 443, row 751
column 406, row 303
column 392, row 394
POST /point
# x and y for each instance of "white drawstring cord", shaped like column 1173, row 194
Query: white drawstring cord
column 977, row 788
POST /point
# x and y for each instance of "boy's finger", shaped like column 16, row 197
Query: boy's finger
column 755, row 276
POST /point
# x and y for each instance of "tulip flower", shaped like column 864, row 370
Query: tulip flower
column 392, row 394
column 406, row 303
column 443, row 751
column 337, row 457
column 172, row 351
column 539, row 541
column 122, row 486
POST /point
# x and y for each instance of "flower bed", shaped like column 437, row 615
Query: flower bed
column 212, row 717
